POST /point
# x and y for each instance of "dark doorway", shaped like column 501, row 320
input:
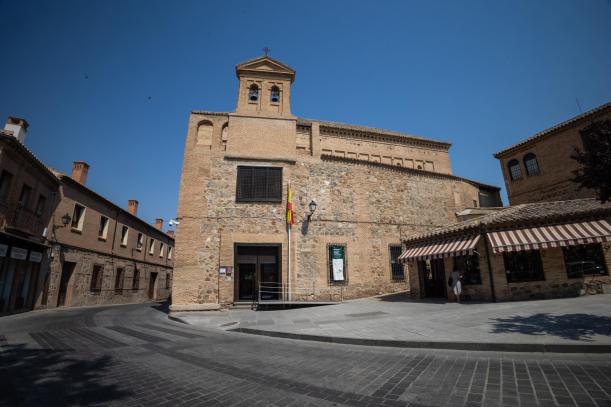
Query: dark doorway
column 432, row 278
column 258, row 266
column 64, row 284
column 152, row 281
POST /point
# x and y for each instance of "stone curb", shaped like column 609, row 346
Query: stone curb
column 470, row 346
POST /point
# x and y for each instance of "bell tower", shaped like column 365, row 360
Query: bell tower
column 265, row 88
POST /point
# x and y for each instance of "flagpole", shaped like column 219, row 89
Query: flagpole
column 288, row 276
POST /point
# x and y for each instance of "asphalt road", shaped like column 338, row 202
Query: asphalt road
column 133, row 355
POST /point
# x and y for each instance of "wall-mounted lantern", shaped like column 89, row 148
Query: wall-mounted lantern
column 312, row 207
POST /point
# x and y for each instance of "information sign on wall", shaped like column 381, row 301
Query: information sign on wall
column 337, row 262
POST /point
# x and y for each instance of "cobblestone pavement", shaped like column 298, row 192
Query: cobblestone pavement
column 134, row 356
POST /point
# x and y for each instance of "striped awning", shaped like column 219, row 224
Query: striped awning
column 544, row 237
column 456, row 246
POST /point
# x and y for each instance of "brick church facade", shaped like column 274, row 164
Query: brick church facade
column 371, row 188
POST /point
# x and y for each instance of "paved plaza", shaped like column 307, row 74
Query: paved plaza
column 133, row 355
column 576, row 322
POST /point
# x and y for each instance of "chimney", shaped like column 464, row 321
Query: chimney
column 159, row 223
column 79, row 171
column 132, row 207
column 170, row 232
column 18, row 126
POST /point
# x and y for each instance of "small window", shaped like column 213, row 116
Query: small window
column 584, row 260
column 253, row 93
column 124, row 235
column 531, row 164
column 170, row 250
column 168, row 281
column 152, row 247
column 469, row 267
column 523, row 266
column 119, row 281
column 24, row 197
column 103, row 229
column 161, row 249
column 515, row 172
column 259, row 184
column 396, row 268
column 97, row 276
column 140, row 242
column 274, row 94
column 78, row 217
column 136, row 280
column 6, row 179
column 337, row 263
column 40, row 205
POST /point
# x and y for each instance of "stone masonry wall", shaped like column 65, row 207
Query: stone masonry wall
column 366, row 206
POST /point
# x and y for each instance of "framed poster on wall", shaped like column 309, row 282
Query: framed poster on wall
column 337, row 263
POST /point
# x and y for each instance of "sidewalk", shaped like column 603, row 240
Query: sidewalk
column 580, row 324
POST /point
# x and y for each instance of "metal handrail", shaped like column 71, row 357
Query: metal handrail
column 298, row 293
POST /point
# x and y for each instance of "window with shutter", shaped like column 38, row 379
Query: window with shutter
column 259, row 184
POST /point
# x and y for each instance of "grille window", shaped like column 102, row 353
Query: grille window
column 259, row 184
column 97, row 275
column 119, row 281
column 396, row 268
column 515, row 172
column 531, row 164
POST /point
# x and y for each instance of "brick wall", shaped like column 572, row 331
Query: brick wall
column 85, row 248
column 553, row 152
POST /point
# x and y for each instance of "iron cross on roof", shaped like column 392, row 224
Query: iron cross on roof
column 267, row 50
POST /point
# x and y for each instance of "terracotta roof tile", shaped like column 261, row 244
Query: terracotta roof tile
column 557, row 127
column 525, row 214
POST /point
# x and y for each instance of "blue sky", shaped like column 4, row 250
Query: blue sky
column 113, row 82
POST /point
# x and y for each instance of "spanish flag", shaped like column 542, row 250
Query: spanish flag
column 290, row 219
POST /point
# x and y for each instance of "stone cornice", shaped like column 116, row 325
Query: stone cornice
column 371, row 133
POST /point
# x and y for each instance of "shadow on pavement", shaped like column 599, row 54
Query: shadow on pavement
column 34, row 377
column 580, row 327
column 163, row 307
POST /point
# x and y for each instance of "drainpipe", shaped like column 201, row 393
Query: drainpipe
column 483, row 237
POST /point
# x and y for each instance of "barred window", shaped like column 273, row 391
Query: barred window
column 515, row 172
column 531, row 164
column 136, row 280
column 396, row 268
column 97, row 274
column 259, row 184
column 119, row 281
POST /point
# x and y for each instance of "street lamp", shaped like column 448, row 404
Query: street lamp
column 312, row 207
